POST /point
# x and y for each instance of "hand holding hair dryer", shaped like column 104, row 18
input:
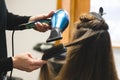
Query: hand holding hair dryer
column 59, row 22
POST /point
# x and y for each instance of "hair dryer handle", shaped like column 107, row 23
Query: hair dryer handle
column 30, row 25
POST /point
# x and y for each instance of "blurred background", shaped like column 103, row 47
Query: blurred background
column 25, row 40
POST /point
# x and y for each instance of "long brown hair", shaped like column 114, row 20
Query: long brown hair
column 89, row 55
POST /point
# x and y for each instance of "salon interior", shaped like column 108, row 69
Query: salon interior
column 35, row 42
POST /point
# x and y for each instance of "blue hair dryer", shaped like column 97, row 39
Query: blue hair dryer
column 59, row 23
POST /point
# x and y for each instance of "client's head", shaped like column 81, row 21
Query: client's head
column 89, row 55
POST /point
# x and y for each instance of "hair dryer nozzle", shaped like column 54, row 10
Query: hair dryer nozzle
column 54, row 35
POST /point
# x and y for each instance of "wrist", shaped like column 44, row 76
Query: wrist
column 32, row 18
column 13, row 59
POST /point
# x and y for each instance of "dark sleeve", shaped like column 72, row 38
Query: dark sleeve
column 6, row 64
column 14, row 20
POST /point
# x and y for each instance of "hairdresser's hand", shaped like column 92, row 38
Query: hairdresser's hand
column 26, row 62
column 42, row 27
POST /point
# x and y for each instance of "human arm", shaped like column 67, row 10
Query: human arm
column 26, row 62
column 6, row 64
column 14, row 20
